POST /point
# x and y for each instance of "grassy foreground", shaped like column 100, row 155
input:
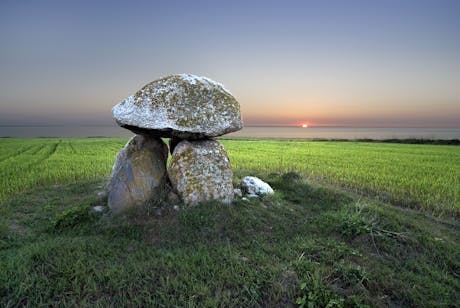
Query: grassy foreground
column 419, row 176
column 308, row 245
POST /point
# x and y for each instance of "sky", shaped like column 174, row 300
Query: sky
column 381, row 63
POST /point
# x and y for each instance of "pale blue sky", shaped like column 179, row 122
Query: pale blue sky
column 379, row 63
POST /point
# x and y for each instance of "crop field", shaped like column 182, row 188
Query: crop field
column 30, row 163
column 418, row 176
column 421, row 176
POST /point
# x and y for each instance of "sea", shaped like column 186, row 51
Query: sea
column 288, row 132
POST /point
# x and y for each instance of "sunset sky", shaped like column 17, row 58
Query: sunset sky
column 344, row 63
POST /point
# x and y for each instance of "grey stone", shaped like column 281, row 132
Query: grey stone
column 183, row 106
column 139, row 173
column 98, row 208
column 102, row 195
column 200, row 171
column 237, row 192
column 253, row 187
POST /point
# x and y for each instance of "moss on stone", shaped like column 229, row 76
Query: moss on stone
column 201, row 171
column 199, row 104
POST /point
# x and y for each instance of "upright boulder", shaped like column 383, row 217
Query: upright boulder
column 138, row 174
column 200, row 171
column 183, row 106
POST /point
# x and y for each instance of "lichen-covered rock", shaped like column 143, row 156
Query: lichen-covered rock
column 139, row 174
column 253, row 186
column 200, row 171
column 183, row 106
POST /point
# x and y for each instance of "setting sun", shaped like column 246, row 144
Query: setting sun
column 304, row 125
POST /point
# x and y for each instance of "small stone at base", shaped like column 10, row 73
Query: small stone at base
column 102, row 194
column 237, row 192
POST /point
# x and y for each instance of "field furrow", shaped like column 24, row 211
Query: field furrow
column 12, row 153
column 22, row 153
column 26, row 170
column 54, row 148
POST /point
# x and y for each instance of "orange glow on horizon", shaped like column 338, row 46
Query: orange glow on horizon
column 359, row 121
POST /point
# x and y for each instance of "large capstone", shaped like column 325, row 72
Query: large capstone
column 139, row 174
column 183, row 106
column 200, row 171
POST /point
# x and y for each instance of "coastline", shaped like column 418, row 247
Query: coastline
column 356, row 134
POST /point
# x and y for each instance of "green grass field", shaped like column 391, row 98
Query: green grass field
column 418, row 176
column 338, row 232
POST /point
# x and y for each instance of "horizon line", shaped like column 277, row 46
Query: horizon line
column 253, row 125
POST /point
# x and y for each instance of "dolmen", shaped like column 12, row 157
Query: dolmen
column 191, row 111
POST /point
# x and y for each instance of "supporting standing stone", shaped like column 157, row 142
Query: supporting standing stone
column 139, row 173
column 200, row 171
